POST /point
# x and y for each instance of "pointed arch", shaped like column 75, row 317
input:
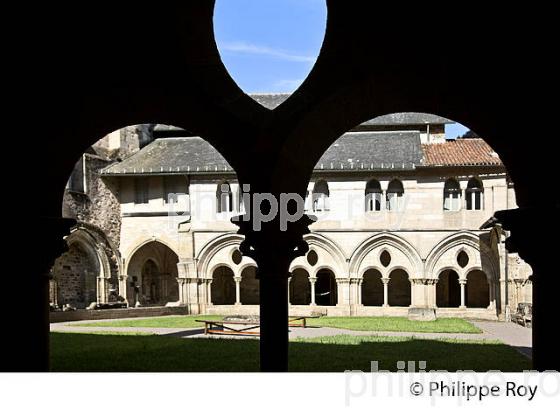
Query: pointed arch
column 216, row 245
column 479, row 253
column 143, row 242
column 152, row 269
column 323, row 246
column 386, row 240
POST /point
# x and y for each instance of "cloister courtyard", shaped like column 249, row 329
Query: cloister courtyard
column 327, row 344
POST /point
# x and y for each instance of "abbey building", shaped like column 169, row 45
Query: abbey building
column 403, row 220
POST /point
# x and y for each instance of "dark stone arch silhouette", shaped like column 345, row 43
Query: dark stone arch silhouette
column 176, row 77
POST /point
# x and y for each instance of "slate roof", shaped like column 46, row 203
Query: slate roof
column 184, row 155
column 460, row 152
column 373, row 150
column 408, row 118
column 352, row 151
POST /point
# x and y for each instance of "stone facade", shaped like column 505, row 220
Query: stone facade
column 418, row 248
column 390, row 235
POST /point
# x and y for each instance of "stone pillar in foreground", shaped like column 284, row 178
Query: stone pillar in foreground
column 273, row 250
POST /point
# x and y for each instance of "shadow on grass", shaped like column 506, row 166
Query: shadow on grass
column 123, row 353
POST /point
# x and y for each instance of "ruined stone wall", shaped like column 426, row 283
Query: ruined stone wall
column 74, row 278
column 122, row 143
column 98, row 205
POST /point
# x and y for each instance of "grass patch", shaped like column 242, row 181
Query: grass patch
column 123, row 352
column 387, row 324
column 178, row 322
column 396, row 324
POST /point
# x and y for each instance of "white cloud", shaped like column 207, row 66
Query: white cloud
column 247, row 48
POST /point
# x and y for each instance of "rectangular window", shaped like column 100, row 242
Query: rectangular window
column 452, row 201
column 320, row 202
column 393, row 201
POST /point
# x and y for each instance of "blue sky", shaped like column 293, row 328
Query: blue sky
column 271, row 45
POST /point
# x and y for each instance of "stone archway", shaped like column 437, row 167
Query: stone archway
column 249, row 286
column 448, row 289
column 223, row 286
column 399, row 288
column 326, row 292
column 300, row 287
column 152, row 275
column 477, row 291
column 372, row 288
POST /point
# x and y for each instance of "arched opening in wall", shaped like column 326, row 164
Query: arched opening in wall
column 223, row 286
column 395, row 195
column 320, row 196
column 451, row 195
column 373, row 196
column 249, row 286
column 448, row 289
column 372, row 288
column 300, row 287
column 474, row 195
column 477, row 292
column 152, row 273
column 326, row 293
column 399, row 288
column 224, row 197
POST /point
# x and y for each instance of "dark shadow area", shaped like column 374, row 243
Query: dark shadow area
column 93, row 353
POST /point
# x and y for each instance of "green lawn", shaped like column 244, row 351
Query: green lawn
column 392, row 324
column 396, row 324
column 146, row 353
column 179, row 322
